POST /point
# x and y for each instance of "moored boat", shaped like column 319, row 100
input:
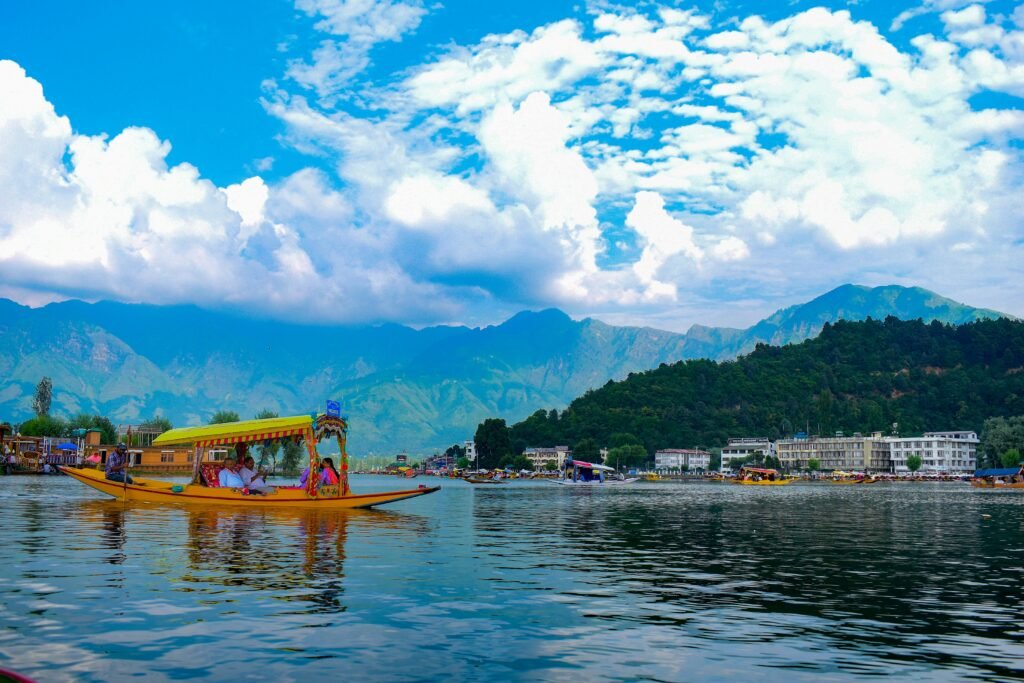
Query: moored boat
column 204, row 489
column 484, row 480
column 583, row 473
column 759, row 476
column 999, row 478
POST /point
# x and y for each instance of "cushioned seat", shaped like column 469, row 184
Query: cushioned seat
column 210, row 472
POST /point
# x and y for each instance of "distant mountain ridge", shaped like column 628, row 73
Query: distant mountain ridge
column 405, row 389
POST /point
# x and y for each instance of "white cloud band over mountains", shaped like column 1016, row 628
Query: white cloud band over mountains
column 642, row 166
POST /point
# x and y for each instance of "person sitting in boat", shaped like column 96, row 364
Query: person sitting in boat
column 117, row 465
column 328, row 474
column 325, row 474
column 254, row 480
column 228, row 477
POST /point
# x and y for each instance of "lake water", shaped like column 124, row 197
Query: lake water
column 527, row 581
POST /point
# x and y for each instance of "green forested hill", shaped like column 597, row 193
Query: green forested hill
column 855, row 376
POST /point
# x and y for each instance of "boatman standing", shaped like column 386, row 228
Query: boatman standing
column 117, row 463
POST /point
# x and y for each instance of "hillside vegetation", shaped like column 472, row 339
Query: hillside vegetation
column 855, row 376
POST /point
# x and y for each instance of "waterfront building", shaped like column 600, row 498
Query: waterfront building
column 538, row 457
column 470, row 447
column 941, row 452
column 143, row 458
column 682, row 458
column 855, row 453
column 742, row 448
column 439, row 462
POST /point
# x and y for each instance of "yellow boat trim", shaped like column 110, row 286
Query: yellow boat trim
column 157, row 491
column 246, row 431
column 763, row 482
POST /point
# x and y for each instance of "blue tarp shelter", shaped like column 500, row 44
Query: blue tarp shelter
column 999, row 472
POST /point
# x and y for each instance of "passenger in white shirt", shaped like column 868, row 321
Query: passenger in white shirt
column 254, row 480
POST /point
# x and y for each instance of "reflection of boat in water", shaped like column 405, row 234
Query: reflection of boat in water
column 205, row 489
column 584, row 473
column 757, row 476
column 999, row 478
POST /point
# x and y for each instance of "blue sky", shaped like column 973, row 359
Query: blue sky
column 654, row 163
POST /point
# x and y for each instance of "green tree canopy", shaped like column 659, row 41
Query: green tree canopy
column 855, row 377
column 623, row 439
column 462, row 463
column 631, row 455
column 158, row 422
column 455, row 451
column 1000, row 434
column 587, row 449
column 224, row 416
column 292, row 457
column 108, row 432
column 1011, row 458
column 914, row 462
column 515, row 462
column 493, row 442
column 44, row 425
column 550, row 465
column 813, row 464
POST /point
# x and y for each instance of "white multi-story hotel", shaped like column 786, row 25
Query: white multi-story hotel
column 855, row 453
column 680, row 458
column 540, row 456
column 470, row 447
column 947, row 452
column 739, row 449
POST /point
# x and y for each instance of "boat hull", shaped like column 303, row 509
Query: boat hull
column 763, row 482
column 156, row 491
column 986, row 485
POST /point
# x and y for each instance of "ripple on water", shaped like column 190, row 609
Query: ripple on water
column 524, row 581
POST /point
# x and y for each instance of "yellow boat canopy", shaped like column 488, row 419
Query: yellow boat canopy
column 248, row 431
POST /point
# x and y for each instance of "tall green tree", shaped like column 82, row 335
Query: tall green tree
column 43, row 397
column 1000, row 434
column 587, row 449
column 493, row 442
column 914, row 462
column 1011, row 458
column 224, row 416
column 813, row 464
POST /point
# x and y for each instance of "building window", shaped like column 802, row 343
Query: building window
column 167, row 456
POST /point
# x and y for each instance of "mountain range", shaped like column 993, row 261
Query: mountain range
column 404, row 389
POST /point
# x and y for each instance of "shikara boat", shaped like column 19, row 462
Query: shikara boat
column 757, row 476
column 850, row 478
column 484, row 480
column 999, row 478
column 582, row 473
column 204, row 488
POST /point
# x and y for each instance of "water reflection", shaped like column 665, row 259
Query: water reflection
column 521, row 582
column 869, row 577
